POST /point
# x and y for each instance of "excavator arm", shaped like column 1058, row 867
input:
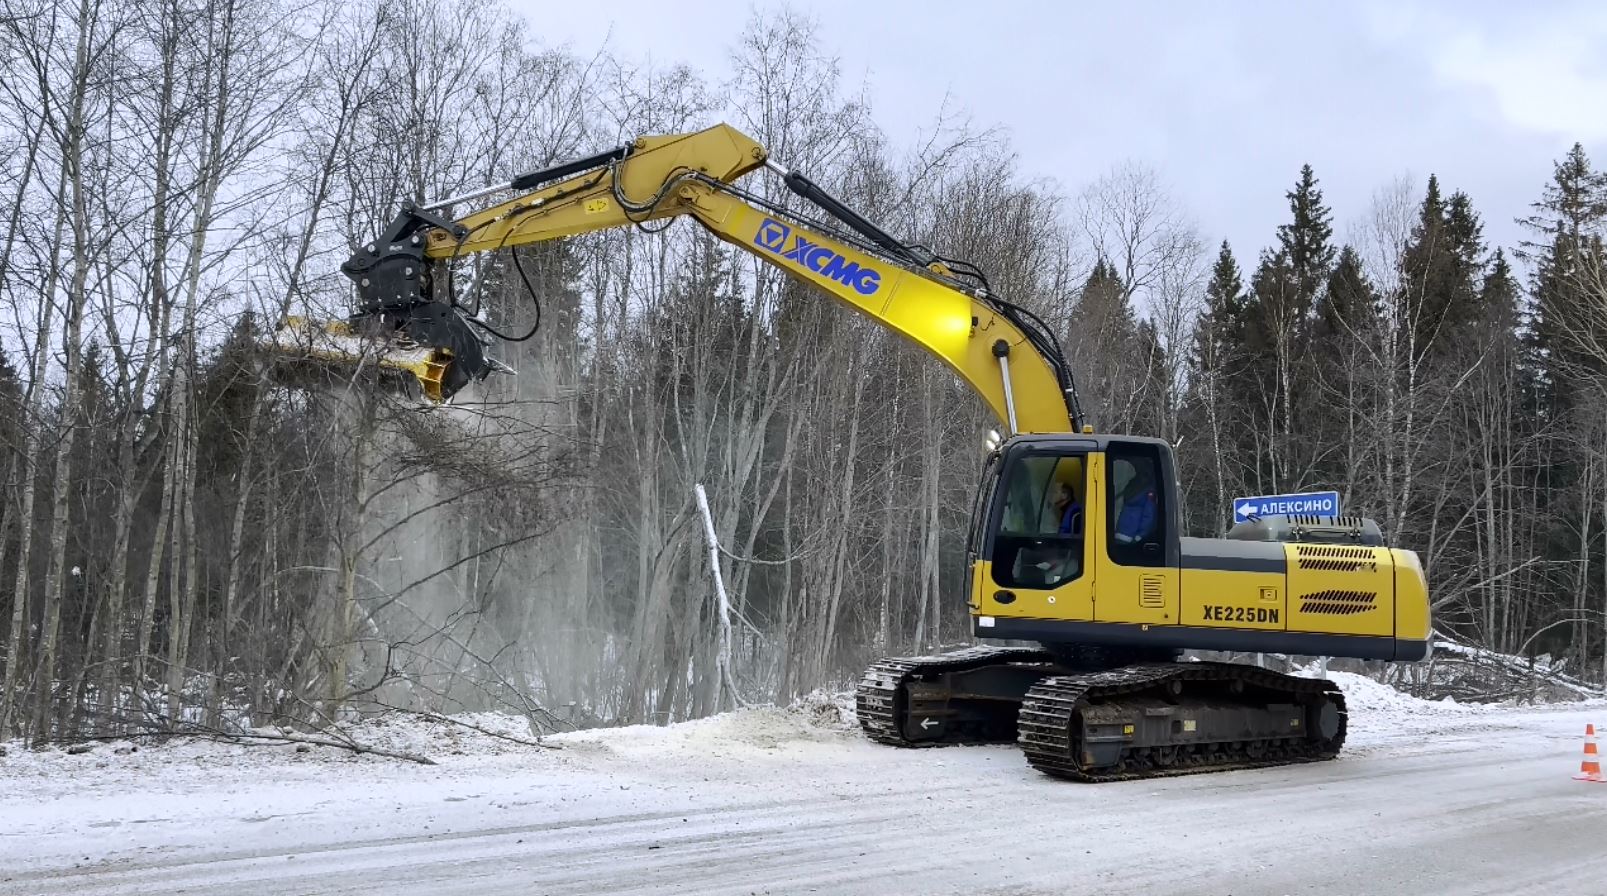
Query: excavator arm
column 1006, row 354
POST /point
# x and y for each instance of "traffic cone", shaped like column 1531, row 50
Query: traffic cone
column 1590, row 767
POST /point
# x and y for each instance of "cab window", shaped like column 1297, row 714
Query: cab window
column 1137, row 519
column 1039, row 539
column 979, row 510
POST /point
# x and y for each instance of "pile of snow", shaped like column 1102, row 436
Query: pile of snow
column 823, row 719
column 1366, row 695
column 830, row 710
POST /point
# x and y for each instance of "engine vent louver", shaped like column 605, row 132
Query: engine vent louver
column 1338, row 603
column 1336, row 559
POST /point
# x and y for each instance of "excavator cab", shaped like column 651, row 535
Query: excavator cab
column 1048, row 501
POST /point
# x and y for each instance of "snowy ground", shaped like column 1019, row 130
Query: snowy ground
column 1428, row 798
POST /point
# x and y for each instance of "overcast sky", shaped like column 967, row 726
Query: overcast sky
column 1225, row 100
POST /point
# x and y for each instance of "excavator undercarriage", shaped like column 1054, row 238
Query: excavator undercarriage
column 1132, row 720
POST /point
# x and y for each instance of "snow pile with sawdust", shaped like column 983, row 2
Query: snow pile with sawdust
column 817, row 720
column 830, row 710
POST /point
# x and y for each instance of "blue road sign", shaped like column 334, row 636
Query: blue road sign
column 1305, row 504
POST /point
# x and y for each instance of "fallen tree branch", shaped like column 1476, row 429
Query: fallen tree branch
column 336, row 739
column 345, row 744
column 437, row 717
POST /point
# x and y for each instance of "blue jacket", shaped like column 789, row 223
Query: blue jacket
column 1137, row 519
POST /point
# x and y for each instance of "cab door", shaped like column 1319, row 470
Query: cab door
column 1035, row 559
column 1135, row 544
column 976, row 535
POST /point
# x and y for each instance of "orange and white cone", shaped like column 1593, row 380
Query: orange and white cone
column 1590, row 768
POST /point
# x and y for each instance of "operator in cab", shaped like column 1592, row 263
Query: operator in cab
column 1069, row 511
column 1136, row 520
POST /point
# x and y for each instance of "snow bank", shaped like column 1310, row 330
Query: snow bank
column 1365, row 695
column 818, row 721
column 819, row 718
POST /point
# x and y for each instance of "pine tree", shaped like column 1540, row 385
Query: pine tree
column 1422, row 264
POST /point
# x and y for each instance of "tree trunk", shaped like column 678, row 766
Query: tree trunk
column 32, row 419
column 153, row 573
column 73, row 168
column 158, row 311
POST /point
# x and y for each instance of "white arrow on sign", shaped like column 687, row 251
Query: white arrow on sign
column 927, row 723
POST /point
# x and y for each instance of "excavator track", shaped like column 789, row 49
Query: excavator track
column 1162, row 719
column 925, row 701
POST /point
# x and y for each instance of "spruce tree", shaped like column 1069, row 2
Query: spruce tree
column 1349, row 305
column 1422, row 267
column 1276, row 331
column 1213, row 410
column 10, row 412
column 1103, row 335
column 1440, row 268
column 1574, row 203
column 1498, row 294
column 1219, row 333
column 1571, row 217
column 1304, row 241
column 1342, row 348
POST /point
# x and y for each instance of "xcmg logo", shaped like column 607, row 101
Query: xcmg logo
column 772, row 237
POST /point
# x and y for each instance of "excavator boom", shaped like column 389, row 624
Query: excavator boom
column 1005, row 354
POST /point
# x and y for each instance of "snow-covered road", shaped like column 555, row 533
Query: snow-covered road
column 1427, row 799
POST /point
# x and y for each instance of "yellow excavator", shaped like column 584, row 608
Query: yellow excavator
column 1075, row 542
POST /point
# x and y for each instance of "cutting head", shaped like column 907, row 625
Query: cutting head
column 308, row 352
